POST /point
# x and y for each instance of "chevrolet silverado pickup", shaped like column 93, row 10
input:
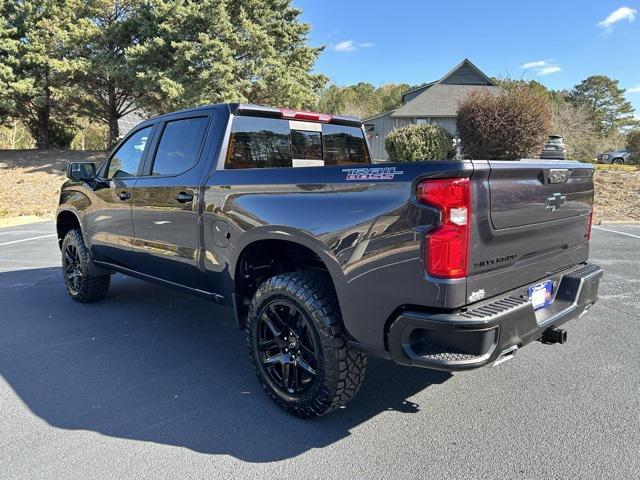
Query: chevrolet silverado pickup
column 326, row 258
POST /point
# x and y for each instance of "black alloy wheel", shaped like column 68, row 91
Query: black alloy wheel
column 72, row 270
column 298, row 346
column 287, row 348
column 82, row 285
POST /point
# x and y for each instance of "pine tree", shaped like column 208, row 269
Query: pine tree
column 605, row 99
column 40, row 87
column 224, row 51
column 8, row 50
column 109, row 84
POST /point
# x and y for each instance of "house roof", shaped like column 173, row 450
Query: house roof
column 373, row 117
column 439, row 101
column 482, row 79
column 442, row 97
column 419, row 87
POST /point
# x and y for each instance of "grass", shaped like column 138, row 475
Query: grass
column 620, row 168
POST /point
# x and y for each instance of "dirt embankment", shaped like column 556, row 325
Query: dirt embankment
column 30, row 179
column 617, row 195
column 30, row 184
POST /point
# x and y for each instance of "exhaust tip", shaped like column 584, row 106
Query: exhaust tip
column 554, row 335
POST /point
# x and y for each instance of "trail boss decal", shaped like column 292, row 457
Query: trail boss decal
column 379, row 173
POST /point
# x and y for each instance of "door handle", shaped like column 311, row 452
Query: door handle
column 124, row 195
column 184, row 197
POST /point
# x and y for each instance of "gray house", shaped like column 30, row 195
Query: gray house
column 129, row 121
column 436, row 102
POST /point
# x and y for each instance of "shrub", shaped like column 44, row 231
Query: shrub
column 415, row 143
column 633, row 145
column 510, row 125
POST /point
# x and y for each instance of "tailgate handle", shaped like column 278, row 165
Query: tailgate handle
column 558, row 175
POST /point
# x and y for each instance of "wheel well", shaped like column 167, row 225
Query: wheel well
column 264, row 259
column 66, row 221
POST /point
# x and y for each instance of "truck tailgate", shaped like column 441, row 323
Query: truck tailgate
column 537, row 192
column 530, row 220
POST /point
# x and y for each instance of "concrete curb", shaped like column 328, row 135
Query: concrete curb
column 618, row 222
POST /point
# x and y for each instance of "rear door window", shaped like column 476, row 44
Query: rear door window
column 179, row 146
column 260, row 142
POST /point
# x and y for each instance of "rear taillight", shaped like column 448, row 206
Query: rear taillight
column 447, row 246
column 590, row 224
column 303, row 115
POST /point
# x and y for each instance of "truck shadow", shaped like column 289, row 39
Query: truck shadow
column 152, row 364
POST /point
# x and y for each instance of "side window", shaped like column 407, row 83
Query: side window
column 258, row 142
column 179, row 146
column 343, row 145
column 124, row 163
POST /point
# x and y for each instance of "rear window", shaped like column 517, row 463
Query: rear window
column 306, row 145
column 258, row 142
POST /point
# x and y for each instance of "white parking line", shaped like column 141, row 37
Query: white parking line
column 616, row 231
column 33, row 238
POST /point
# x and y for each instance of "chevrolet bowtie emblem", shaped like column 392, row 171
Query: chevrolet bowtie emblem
column 555, row 202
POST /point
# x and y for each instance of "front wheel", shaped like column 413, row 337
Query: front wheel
column 617, row 161
column 297, row 345
column 81, row 285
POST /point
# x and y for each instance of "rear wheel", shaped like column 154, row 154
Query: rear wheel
column 81, row 285
column 297, row 345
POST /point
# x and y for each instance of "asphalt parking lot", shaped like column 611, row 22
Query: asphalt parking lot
column 153, row 383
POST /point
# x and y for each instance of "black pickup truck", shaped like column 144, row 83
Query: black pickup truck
column 326, row 258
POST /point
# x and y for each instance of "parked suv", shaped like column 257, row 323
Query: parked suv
column 619, row 157
column 554, row 148
column 325, row 258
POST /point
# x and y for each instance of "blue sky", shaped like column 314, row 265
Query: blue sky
column 558, row 43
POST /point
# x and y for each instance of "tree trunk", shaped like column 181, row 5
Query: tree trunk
column 14, row 135
column 44, row 115
column 114, row 132
column 42, row 141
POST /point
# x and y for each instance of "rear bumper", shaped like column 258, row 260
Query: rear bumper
column 553, row 155
column 485, row 332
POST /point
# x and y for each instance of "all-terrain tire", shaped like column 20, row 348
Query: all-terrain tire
column 340, row 369
column 81, row 285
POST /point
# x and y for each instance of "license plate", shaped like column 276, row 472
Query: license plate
column 540, row 294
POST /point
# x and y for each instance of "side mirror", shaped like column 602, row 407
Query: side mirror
column 81, row 171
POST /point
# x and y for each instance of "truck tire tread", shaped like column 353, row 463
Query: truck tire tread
column 344, row 368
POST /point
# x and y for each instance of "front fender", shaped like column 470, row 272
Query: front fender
column 72, row 201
